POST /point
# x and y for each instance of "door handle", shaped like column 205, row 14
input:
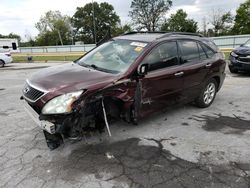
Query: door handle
column 178, row 74
column 208, row 65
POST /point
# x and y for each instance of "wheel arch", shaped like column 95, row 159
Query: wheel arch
column 217, row 79
column 3, row 62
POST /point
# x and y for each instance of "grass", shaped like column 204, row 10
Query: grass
column 55, row 57
column 19, row 59
column 227, row 54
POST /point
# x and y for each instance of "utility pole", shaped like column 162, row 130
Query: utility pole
column 94, row 24
column 60, row 37
column 204, row 24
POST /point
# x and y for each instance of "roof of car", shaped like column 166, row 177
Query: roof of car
column 146, row 37
column 161, row 36
column 152, row 36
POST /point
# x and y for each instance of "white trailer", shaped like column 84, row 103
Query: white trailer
column 8, row 45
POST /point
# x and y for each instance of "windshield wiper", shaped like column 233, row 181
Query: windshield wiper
column 99, row 68
column 94, row 67
column 89, row 66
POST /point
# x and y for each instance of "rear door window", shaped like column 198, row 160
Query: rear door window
column 189, row 50
column 162, row 56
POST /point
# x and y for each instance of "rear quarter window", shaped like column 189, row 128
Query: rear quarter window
column 203, row 54
column 211, row 44
column 210, row 53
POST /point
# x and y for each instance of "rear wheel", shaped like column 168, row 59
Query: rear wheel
column 207, row 94
column 2, row 63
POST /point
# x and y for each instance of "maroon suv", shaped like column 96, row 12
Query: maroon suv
column 127, row 78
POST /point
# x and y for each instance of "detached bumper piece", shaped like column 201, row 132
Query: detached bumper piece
column 53, row 139
column 44, row 125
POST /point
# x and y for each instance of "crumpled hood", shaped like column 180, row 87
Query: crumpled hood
column 242, row 50
column 70, row 77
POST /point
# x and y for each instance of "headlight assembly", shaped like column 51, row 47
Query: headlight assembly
column 234, row 54
column 61, row 104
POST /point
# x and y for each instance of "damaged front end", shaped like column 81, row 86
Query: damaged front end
column 77, row 115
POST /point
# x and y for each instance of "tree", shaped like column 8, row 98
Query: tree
column 148, row 14
column 29, row 43
column 12, row 36
column 122, row 29
column 222, row 22
column 54, row 28
column 28, row 40
column 242, row 21
column 102, row 15
column 180, row 23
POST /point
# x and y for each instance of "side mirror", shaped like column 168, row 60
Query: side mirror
column 143, row 69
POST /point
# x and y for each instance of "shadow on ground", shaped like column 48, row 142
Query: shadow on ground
column 241, row 74
column 225, row 124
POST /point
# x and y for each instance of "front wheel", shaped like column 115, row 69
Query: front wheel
column 1, row 63
column 207, row 94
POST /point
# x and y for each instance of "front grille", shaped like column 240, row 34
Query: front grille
column 31, row 93
column 244, row 59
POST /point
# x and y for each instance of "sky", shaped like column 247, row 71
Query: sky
column 20, row 16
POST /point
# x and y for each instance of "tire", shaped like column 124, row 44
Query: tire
column 232, row 70
column 208, row 94
column 2, row 63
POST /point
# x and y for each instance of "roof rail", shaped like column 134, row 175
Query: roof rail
column 165, row 34
column 144, row 32
column 181, row 33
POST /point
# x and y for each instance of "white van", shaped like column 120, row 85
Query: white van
column 7, row 46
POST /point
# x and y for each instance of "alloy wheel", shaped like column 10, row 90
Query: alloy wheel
column 209, row 93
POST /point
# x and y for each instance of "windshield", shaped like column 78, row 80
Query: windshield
column 114, row 56
column 247, row 44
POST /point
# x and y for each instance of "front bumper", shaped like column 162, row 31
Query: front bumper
column 238, row 65
column 44, row 125
column 8, row 60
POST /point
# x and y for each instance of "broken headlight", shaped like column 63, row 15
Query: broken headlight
column 61, row 104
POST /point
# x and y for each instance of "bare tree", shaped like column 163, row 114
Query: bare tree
column 221, row 21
